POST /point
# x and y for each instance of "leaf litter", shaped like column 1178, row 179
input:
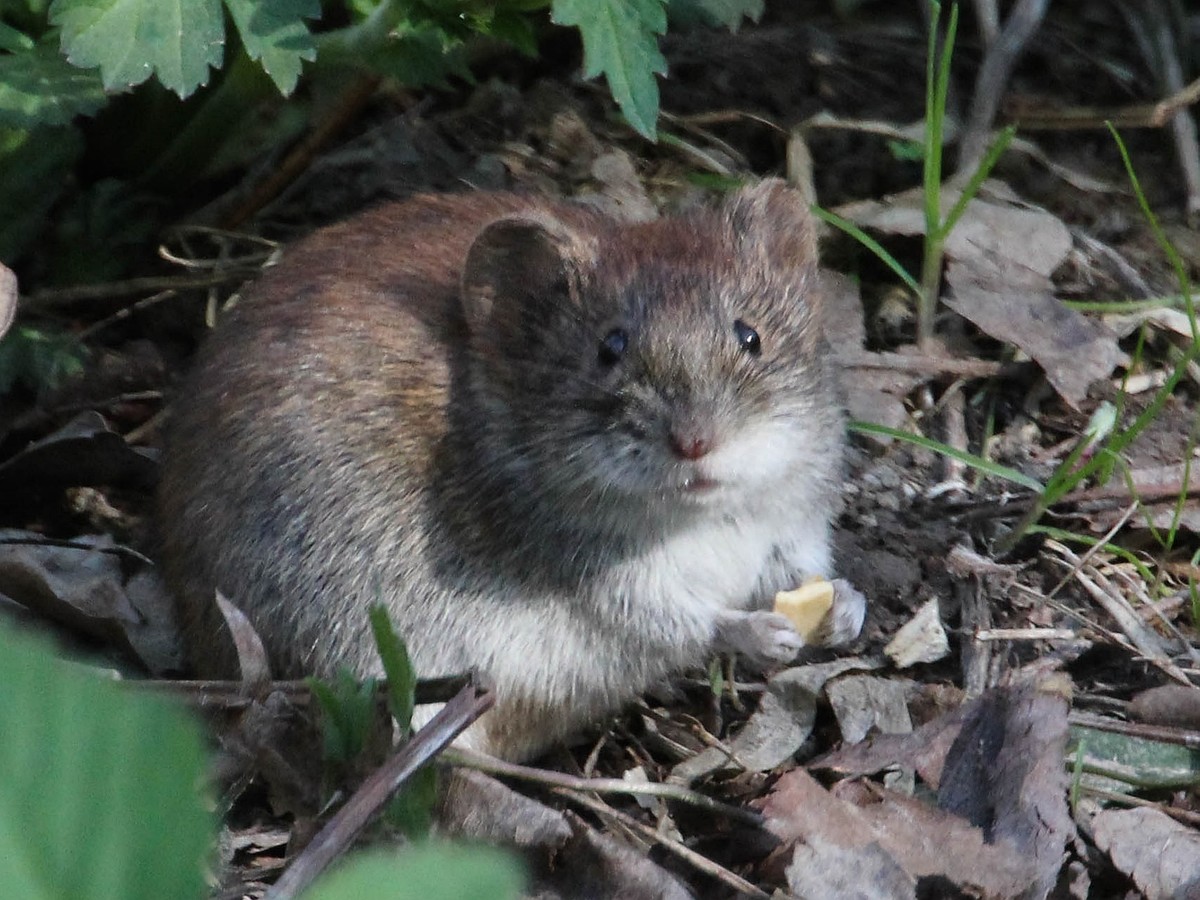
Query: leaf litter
column 956, row 771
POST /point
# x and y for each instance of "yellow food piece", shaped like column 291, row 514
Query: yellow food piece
column 806, row 607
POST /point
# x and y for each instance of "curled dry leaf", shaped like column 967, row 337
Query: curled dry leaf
column 251, row 654
column 1014, row 303
column 84, row 587
column 8, row 298
column 1004, row 773
column 782, row 722
column 1159, row 854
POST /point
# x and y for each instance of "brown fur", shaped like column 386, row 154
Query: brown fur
column 409, row 409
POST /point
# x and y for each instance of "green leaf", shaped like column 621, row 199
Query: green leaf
column 397, row 666
column 424, row 872
column 100, row 794
column 980, row 463
column 130, row 40
column 38, row 359
column 418, row 57
column 728, row 13
column 619, row 41
column 411, row 810
column 33, row 174
column 348, row 708
column 274, row 32
column 39, row 87
column 12, row 40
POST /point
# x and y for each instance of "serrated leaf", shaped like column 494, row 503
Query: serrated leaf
column 274, row 32
column 619, row 40
column 130, row 40
column 419, row 57
column 99, row 798
column 728, row 13
column 39, row 87
column 425, row 872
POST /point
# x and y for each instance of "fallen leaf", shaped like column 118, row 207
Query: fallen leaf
column 1013, row 302
column 566, row 857
column 1161, row 855
column 782, row 722
column 865, row 703
column 251, row 654
column 84, row 587
column 903, row 840
column 1005, row 774
column 921, row 639
column 995, row 225
column 85, row 451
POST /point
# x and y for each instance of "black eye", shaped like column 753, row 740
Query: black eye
column 612, row 348
column 747, row 337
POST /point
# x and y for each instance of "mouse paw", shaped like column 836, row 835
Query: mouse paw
column 762, row 638
column 846, row 616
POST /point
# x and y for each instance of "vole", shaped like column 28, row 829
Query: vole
column 572, row 453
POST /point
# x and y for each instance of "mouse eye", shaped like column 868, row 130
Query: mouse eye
column 612, row 348
column 747, row 337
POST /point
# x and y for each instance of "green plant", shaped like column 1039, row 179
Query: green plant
column 102, row 799
column 229, row 64
column 350, row 723
column 38, row 359
column 937, row 226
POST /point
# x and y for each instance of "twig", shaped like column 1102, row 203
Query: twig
column 993, row 76
column 230, row 695
column 473, row 760
column 691, row 857
column 1182, row 737
column 349, row 821
column 349, row 105
column 58, row 297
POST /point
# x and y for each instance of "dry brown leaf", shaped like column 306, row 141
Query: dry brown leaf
column 921, row 639
column 782, row 722
column 1015, row 304
column 251, row 654
column 1159, row 854
column 1001, row 228
column 85, row 588
column 863, row 703
column 904, row 839
column 1004, row 773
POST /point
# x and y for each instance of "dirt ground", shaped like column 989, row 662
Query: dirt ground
column 1038, row 653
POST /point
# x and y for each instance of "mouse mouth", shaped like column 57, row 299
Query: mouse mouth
column 699, row 485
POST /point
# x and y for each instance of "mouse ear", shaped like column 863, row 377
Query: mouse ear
column 773, row 221
column 521, row 265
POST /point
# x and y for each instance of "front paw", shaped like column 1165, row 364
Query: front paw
column 845, row 618
column 762, row 638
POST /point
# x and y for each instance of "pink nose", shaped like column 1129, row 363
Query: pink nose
column 690, row 445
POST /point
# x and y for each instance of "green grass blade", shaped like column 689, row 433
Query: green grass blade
column 870, row 243
column 982, row 171
column 975, row 462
